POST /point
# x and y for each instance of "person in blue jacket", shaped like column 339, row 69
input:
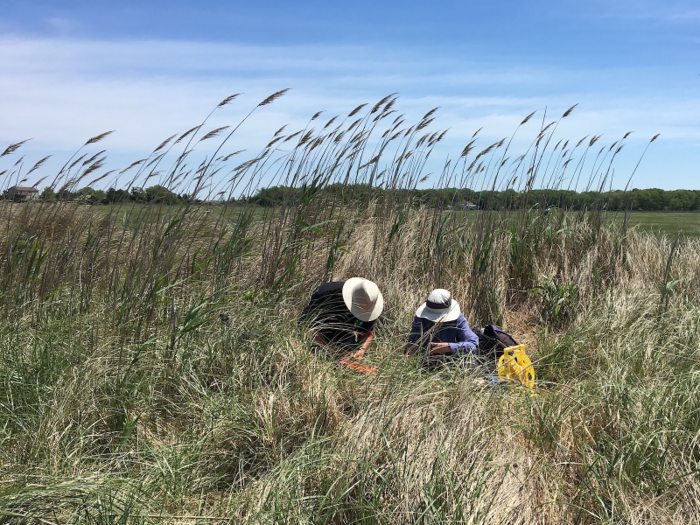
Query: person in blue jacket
column 440, row 328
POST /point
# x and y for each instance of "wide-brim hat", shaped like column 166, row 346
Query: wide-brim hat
column 439, row 308
column 363, row 298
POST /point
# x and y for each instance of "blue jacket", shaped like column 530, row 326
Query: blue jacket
column 457, row 333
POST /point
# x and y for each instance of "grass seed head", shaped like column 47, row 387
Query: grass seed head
column 13, row 147
column 524, row 121
column 569, row 111
column 228, row 99
column 273, row 97
column 99, row 137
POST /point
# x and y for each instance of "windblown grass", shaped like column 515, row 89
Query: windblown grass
column 126, row 397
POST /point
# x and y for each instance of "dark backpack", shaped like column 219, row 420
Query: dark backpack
column 492, row 341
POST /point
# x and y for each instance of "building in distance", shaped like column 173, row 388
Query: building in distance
column 467, row 205
column 21, row 193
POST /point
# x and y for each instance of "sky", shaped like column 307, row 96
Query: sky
column 72, row 69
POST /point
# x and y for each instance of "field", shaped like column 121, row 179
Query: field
column 152, row 369
column 668, row 223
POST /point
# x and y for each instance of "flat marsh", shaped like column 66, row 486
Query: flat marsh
column 666, row 222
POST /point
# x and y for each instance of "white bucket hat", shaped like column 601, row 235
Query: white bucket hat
column 363, row 298
column 439, row 308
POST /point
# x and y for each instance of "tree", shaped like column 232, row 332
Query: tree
column 114, row 195
column 48, row 195
column 138, row 194
column 161, row 194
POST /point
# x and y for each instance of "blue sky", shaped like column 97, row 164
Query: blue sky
column 70, row 70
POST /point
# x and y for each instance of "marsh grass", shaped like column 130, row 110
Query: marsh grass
column 153, row 372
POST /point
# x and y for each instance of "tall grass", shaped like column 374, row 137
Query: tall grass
column 152, row 370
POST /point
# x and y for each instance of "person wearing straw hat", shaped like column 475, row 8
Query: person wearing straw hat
column 440, row 328
column 342, row 315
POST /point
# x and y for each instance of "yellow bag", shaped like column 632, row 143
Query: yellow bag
column 514, row 363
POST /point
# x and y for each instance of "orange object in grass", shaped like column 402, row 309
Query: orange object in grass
column 358, row 367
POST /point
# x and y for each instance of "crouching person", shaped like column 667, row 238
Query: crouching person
column 342, row 315
column 440, row 330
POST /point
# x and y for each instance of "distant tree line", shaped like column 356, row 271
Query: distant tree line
column 653, row 199
column 89, row 195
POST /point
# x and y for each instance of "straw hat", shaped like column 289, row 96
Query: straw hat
column 363, row 298
column 439, row 308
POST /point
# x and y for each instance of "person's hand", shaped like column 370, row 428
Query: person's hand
column 365, row 346
column 359, row 354
column 439, row 348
